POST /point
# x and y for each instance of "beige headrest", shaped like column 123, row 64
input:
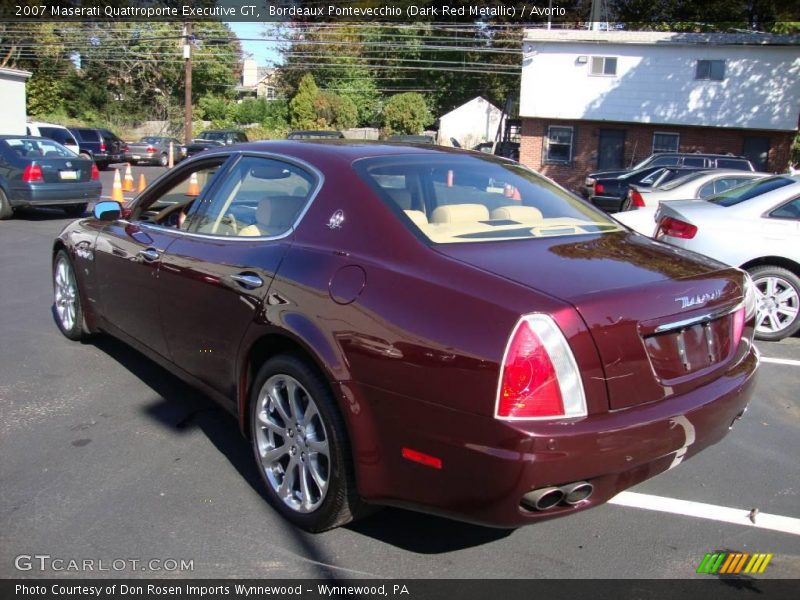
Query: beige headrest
column 460, row 213
column 517, row 213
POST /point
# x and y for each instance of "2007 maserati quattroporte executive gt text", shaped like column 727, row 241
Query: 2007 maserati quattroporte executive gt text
column 441, row 330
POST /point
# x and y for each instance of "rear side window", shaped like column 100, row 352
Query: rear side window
column 694, row 161
column 790, row 210
column 750, row 190
column 62, row 136
column 475, row 199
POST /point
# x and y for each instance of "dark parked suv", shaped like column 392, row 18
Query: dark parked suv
column 101, row 145
column 673, row 159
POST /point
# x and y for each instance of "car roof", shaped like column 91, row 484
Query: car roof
column 44, row 124
column 351, row 150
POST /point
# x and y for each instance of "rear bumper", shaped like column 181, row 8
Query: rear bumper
column 55, row 193
column 153, row 157
column 488, row 465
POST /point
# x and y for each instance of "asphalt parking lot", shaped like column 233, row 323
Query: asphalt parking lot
column 104, row 455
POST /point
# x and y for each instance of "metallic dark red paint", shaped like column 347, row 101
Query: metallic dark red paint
column 410, row 337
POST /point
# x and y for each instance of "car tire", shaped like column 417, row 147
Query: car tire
column 103, row 166
column 289, row 447
column 778, row 308
column 133, row 163
column 163, row 160
column 86, row 156
column 6, row 210
column 75, row 210
column 67, row 307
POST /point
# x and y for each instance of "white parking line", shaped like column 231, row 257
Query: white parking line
column 780, row 361
column 737, row 516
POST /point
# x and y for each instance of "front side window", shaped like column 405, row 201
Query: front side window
column 665, row 142
column 558, row 144
column 713, row 70
column 174, row 201
column 604, row 65
column 259, row 197
column 463, row 199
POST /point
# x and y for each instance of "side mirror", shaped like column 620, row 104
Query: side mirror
column 107, row 211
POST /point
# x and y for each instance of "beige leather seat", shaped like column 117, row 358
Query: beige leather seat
column 523, row 214
column 460, row 213
column 418, row 217
column 274, row 215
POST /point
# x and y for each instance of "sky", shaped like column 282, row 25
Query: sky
column 263, row 52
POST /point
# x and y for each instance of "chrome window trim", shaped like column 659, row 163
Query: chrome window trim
column 320, row 179
column 705, row 317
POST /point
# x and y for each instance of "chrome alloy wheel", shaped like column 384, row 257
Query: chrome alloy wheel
column 778, row 304
column 292, row 443
column 66, row 294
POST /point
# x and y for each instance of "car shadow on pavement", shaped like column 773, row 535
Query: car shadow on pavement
column 42, row 214
column 181, row 407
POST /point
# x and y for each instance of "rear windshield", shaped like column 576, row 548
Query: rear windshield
column 451, row 199
column 681, row 180
column 35, row 149
column 213, row 135
column 750, row 190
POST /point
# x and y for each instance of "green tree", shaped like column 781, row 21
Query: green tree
column 335, row 111
column 302, row 113
column 406, row 113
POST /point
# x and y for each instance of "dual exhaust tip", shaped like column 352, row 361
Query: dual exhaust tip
column 550, row 497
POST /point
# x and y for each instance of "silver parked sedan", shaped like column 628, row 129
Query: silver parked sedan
column 153, row 150
column 695, row 185
column 755, row 226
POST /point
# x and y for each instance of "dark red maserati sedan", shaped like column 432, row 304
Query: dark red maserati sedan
column 407, row 325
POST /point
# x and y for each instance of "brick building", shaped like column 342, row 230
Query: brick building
column 594, row 100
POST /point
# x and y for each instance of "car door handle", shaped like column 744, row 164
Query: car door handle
column 149, row 254
column 248, row 280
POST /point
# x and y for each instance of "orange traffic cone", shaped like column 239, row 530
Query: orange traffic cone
column 116, row 191
column 127, row 186
column 194, row 186
column 142, row 183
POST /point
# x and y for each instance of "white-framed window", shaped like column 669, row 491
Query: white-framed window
column 558, row 144
column 665, row 142
column 270, row 93
column 713, row 70
column 603, row 65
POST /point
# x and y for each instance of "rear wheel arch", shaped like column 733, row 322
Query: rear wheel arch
column 265, row 348
column 773, row 261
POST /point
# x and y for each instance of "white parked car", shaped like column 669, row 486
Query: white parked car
column 54, row 132
column 697, row 185
column 755, row 226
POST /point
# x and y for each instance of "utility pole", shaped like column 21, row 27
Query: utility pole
column 187, row 55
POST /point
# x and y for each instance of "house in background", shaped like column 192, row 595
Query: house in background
column 257, row 82
column 471, row 123
column 12, row 99
column 594, row 100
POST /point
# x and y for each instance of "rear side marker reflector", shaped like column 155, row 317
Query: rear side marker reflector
column 422, row 458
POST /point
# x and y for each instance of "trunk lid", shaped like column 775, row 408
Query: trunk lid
column 660, row 317
column 65, row 170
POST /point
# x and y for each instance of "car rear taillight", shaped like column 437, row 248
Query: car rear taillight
column 539, row 378
column 32, row 174
column 599, row 188
column 102, row 147
column 95, row 172
column 150, row 149
column 676, row 228
column 636, row 199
